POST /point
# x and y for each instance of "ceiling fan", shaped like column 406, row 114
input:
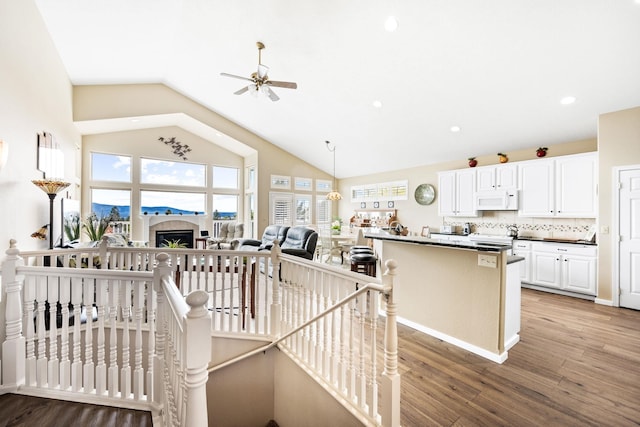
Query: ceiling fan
column 260, row 81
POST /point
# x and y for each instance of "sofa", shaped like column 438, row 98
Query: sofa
column 299, row 241
column 228, row 237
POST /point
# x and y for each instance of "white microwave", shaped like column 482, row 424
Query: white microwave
column 498, row 200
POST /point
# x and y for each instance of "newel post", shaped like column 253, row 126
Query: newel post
column 197, row 355
column 276, row 307
column 390, row 378
column 13, row 347
column 161, row 269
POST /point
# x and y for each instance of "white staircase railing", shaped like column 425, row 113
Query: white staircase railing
column 83, row 335
column 331, row 329
column 330, row 320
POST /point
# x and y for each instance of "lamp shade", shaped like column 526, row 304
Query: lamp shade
column 50, row 186
column 334, row 196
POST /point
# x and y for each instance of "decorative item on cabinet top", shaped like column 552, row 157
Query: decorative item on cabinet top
column 541, row 151
column 425, row 194
column 503, row 158
column 472, row 162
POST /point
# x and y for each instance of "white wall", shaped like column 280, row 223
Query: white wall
column 35, row 96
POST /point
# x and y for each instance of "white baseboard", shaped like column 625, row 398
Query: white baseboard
column 494, row 357
column 602, row 301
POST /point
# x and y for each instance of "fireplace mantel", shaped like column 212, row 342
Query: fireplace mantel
column 169, row 222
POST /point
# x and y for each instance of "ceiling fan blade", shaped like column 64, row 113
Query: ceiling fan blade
column 262, row 71
column 287, row 85
column 236, row 77
column 272, row 95
column 241, row 91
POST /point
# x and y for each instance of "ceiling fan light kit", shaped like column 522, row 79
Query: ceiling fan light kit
column 259, row 80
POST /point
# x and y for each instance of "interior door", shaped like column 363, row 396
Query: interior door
column 629, row 246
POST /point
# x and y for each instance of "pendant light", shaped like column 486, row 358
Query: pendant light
column 334, row 195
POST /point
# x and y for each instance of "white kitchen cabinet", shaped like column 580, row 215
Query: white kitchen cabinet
column 523, row 248
column 579, row 273
column 497, row 177
column 536, row 188
column 576, row 186
column 568, row 267
column 564, row 186
column 457, row 189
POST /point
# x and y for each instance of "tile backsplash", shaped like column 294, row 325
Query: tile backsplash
column 497, row 222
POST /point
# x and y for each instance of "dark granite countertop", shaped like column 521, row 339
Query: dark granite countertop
column 514, row 258
column 485, row 247
column 552, row 240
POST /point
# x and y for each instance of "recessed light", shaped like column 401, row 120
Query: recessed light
column 455, row 129
column 391, row 24
column 567, row 100
column 377, row 103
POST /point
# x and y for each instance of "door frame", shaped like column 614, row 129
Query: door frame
column 615, row 258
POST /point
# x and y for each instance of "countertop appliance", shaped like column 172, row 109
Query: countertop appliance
column 466, row 229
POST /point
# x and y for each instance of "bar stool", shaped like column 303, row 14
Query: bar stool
column 364, row 263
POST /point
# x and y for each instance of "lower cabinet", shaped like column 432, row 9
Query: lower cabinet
column 523, row 248
column 566, row 267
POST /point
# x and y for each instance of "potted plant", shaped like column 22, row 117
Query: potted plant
column 174, row 244
column 95, row 227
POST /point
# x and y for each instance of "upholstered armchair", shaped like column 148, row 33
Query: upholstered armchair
column 271, row 233
column 228, row 238
column 300, row 241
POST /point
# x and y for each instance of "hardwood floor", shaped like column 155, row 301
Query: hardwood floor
column 26, row 411
column 577, row 364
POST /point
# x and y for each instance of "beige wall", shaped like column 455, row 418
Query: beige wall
column 117, row 101
column 415, row 216
column 618, row 145
column 445, row 290
column 144, row 143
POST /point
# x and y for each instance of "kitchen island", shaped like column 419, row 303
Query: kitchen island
column 457, row 291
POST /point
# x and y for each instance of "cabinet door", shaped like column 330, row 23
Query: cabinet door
column 537, row 188
column 486, row 178
column 447, row 193
column 466, row 186
column 546, row 269
column 507, row 177
column 576, row 186
column 524, row 266
column 579, row 274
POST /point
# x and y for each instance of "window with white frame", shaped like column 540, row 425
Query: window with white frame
column 163, row 172
column 303, row 212
column 225, row 177
column 281, row 208
column 110, row 167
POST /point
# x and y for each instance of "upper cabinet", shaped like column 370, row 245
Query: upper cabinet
column 577, row 186
column 559, row 187
column 497, row 177
column 456, row 190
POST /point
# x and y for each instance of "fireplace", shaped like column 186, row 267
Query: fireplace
column 183, row 236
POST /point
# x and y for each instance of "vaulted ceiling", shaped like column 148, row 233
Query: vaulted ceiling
column 497, row 69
